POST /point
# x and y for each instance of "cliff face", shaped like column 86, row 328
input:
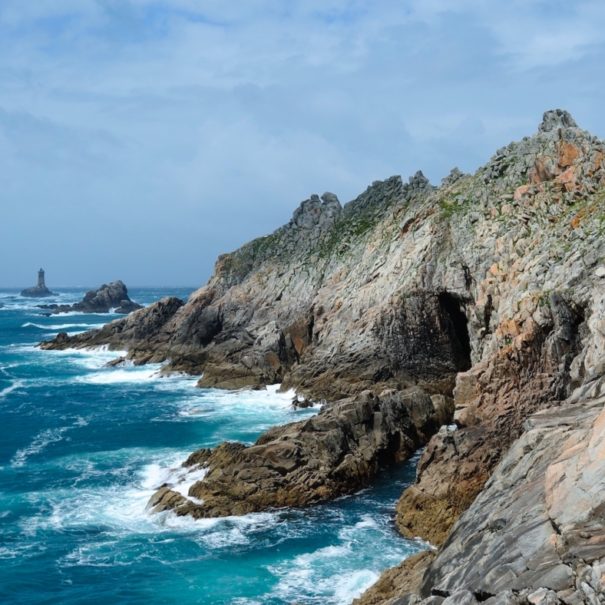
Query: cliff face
column 493, row 283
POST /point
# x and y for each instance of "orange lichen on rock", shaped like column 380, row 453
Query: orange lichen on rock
column 567, row 179
column 568, row 154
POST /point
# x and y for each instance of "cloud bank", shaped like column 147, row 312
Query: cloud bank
column 141, row 138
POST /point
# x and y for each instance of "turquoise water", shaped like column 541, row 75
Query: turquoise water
column 82, row 448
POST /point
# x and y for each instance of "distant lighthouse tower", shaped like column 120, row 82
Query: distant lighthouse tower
column 39, row 290
column 41, row 283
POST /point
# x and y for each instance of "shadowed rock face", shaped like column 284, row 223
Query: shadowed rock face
column 331, row 454
column 492, row 400
column 142, row 326
column 113, row 296
column 492, row 283
column 536, row 533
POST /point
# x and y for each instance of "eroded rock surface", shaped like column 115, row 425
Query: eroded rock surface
column 492, row 283
column 493, row 399
column 333, row 453
column 536, row 533
column 109, row 297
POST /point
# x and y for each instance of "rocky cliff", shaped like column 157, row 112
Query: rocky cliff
column 490, row 289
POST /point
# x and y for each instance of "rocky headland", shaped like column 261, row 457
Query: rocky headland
column 470, row 316
column 109, row 297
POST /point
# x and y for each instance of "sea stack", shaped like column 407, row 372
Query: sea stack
column 109, row 297
column 39, row 290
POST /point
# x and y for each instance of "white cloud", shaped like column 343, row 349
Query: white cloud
column 215, row 118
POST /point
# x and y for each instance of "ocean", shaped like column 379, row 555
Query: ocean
column 82, row 447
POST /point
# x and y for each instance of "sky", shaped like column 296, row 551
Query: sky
column 139, row 139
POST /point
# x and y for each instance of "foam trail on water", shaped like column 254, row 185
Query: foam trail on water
column 93, row 358
column 249, row 401
column 250, row 411
column 343, row 570
column 41, row 441
column 119, row 376
column 51, row 327
column 9, row 389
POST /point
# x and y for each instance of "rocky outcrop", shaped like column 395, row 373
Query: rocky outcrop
column 39, row 290
column 333, row 453
column 138, row 332
column 404, row 578
column 109, row 297
column 490, row 287
column 536, row 533
column 492, row 400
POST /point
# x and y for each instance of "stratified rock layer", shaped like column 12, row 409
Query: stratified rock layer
column 331, row 454
column 492, row 283
column 536, row 533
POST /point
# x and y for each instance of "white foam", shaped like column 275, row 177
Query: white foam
column 93, row 358
column 352, row 585
column 121, row 510
column 53, row 327
column 323, row 574
column 13, row 387
column 341, row 571
column 21, row 551
column 42, row 440
column 177, row 477
column 120, row 376
column 248, row 405
column 367, row 522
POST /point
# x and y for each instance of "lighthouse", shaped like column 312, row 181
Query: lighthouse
column 39, row 290
column 41, row 283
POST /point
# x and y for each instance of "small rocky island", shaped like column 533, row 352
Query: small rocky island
column 39, row 290
column 109, row 297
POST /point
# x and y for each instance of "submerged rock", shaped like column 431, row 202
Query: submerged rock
column 109, row 297
column 39, row 290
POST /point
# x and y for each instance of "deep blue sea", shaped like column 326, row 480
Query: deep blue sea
column 82, row 448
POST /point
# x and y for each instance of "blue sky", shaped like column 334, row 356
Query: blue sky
column 141, row 138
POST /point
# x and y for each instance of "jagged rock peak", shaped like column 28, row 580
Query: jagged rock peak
column 418, row 181
column 555, row 119
column 317, row 211
column 454, row 175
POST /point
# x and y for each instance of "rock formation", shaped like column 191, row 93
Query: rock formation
column 39, row 290
column 490, row 289
column 331, row 454
column 109, row 297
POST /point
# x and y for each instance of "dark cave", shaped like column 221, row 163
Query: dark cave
column 452, row 311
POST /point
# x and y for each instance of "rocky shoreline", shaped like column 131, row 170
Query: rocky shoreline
column 488, row 291
column 336, row 452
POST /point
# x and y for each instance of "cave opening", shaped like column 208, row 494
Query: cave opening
column 452, row 311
